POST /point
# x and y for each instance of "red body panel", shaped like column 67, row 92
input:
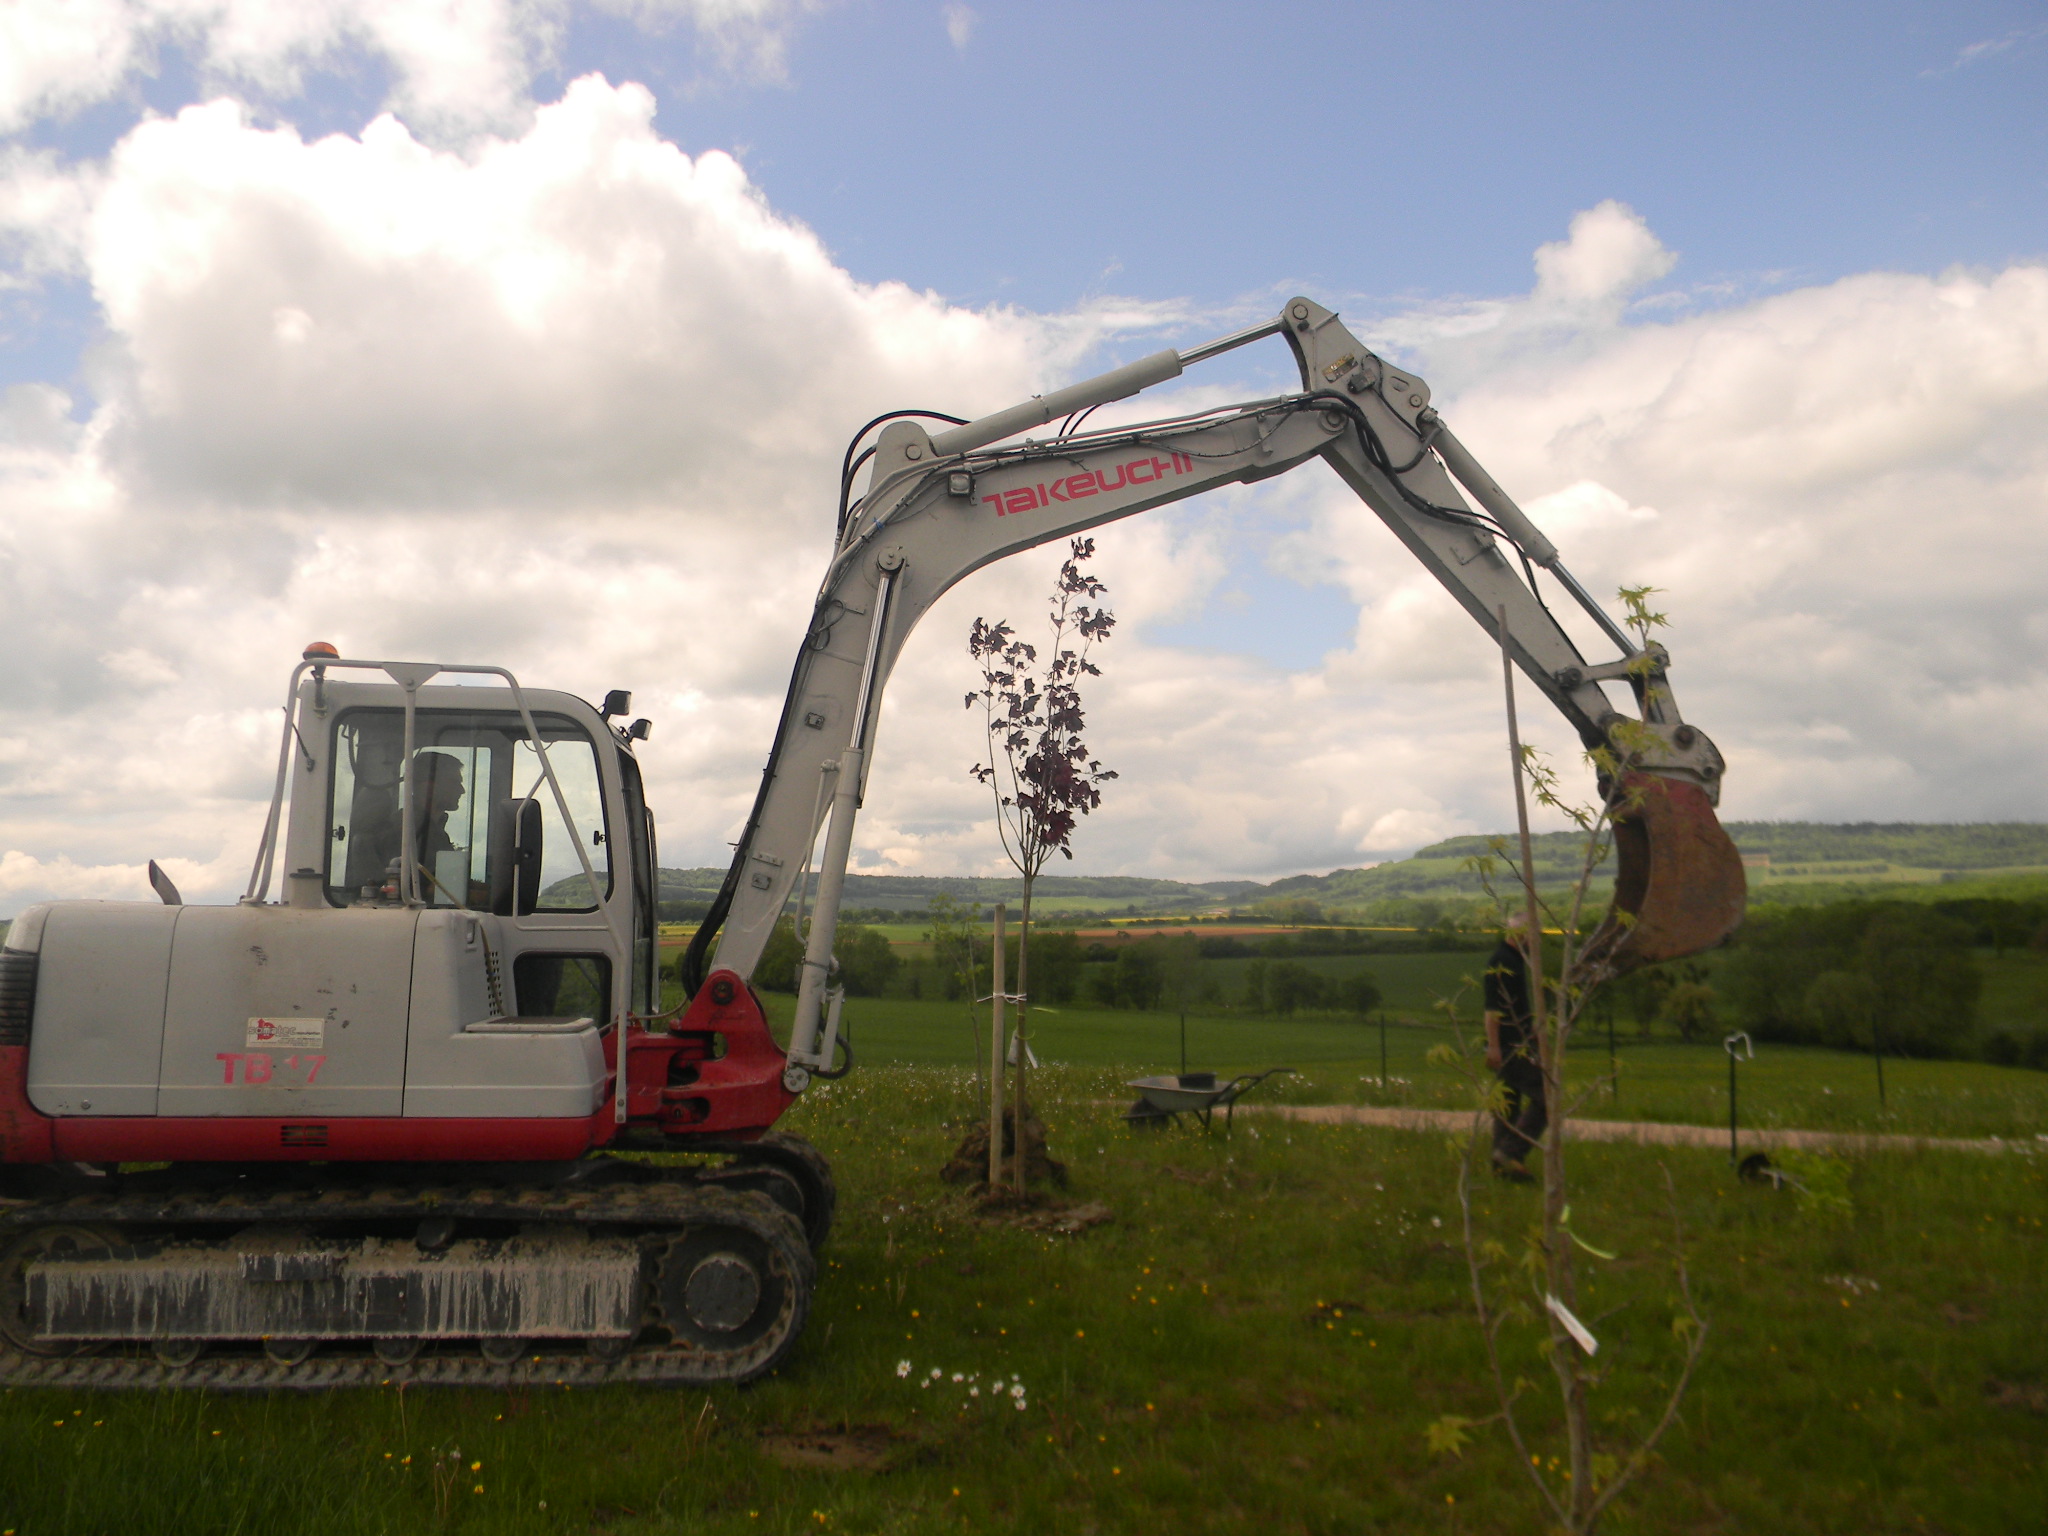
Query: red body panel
column 24, row 1129
column 679, row 1081
column 717, row 1075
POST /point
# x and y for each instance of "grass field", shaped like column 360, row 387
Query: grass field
column 1259, row 1337
column 1339, row 1061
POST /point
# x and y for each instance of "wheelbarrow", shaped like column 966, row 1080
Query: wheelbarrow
column 1165, row 1099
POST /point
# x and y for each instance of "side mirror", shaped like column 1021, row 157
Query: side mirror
column 618, row 702
column 515, row 857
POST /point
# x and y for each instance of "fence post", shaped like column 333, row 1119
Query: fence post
column 1733, row 1045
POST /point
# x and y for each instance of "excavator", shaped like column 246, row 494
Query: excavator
column 386, row 1118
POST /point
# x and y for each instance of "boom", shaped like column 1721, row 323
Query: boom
column 941, row 505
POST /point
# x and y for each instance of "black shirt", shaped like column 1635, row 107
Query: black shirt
column 1506, row 992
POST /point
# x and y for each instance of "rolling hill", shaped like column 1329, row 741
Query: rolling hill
column 1795, row 861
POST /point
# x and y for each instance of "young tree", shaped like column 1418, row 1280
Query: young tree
column 866, row 962
column 1291, row 985
column 1359, row 993
column 1181, row 980
column 1597, row 1466
column 954, row 932
column 1039, row 769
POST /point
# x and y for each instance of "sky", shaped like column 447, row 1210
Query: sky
column 531, row 332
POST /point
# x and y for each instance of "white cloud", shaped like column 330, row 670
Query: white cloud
column 1990, row 47
column 1851, row 496
column 580, row 316
column 1608, row 256
column 457, row 66
column 960, row 21
column 43, row 208
column 1588, row 286
column 573, row 400
column 61, row 55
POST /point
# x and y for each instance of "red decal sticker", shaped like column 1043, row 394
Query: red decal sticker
column 1144, row 471
column 313, row 1071
column 256, row 1068
column 227, row 1059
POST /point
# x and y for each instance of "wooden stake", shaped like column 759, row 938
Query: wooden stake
column 995, row 1062
column 1020, row 1102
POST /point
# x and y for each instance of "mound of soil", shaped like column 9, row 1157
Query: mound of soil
column 969, row 1164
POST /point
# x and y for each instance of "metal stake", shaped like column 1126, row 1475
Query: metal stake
column 1739, row 1041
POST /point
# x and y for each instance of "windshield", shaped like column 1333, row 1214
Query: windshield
column 467, row 769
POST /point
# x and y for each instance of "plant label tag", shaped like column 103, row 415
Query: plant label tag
column 291, row 1034
column 1581, row 1334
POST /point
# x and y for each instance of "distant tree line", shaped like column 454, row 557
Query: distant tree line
column 1159, row 971
column 1902, row 974
column 1918, row 845
column 867, row 965
column 1899, row 977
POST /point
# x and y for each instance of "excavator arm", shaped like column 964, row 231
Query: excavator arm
column 941, row 505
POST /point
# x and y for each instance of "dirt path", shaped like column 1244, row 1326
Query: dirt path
column 1643, row 1132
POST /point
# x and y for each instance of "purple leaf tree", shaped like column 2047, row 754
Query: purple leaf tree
column 1038, row 766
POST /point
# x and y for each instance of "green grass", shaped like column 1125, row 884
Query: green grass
column 1259, row 1338
column 1339, row 1062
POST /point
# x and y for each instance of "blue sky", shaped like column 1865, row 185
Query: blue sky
column 1218, row 151
column 1389, row 153
column 1737, row 295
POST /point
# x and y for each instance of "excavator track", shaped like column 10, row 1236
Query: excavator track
column 682, row 1276
column 661, row 1367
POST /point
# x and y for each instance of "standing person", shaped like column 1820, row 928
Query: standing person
column 1513, row 1054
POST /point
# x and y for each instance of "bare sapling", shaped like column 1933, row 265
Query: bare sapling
column 1579, row 1488
column 955, row 935
column 1038, row 767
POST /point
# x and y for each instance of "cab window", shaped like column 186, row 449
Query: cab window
column 466, row 770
